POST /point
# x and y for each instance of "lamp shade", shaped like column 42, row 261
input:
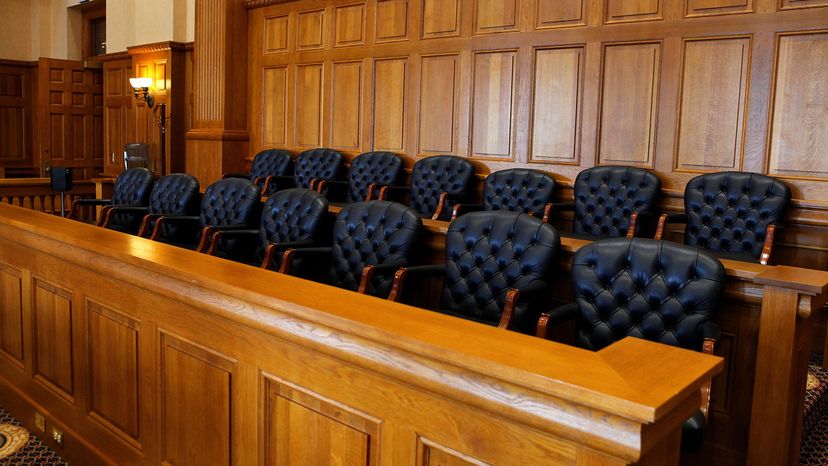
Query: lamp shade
column 140, row 82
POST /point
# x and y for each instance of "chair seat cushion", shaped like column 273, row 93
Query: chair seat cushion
column 735, row 256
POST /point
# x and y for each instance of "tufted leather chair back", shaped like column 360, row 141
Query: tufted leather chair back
column 292, row 215
column 324, row 164
column 730, row 211
column 656, row 290
column 487, row 253
column 379, row 168
column 271, row 162
column 174, row 194
column 132, row 188
column 441, row 173
column 606, row 196
column 231, row 201
column 518, row 190
column 372, row 233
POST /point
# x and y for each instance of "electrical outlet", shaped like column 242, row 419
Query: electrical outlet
column 57, row 436
column 40, row 422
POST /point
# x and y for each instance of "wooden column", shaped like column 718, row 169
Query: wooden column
column 218, row 141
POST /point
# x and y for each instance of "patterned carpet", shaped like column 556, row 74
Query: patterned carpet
column 814, row 449
column 22, row 449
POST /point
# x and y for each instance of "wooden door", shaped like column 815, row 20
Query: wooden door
column 119, row 115
column 70, row 116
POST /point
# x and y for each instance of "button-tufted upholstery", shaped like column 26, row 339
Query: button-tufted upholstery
column 131, row 189
column 729, row 212
column 650, row 289
column 174, row 194
column 271, row 162
column 487, row 253
column 518, row 190
column 432, row 176
column 372, row 233
column 232, row 201
column 319, row 164
column 292, row 215
column 377, row 168
column 606, row 197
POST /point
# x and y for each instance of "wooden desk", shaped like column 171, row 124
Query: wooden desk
column 144, row 353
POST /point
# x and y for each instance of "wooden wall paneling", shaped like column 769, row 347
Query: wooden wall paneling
column 276, row 29
column 438, row 105
column 712, row 106
column 309, row 105
column 311, row 30
column 493, row 105
column 53, row 338
column 440, row 18
column 626, row 11
column 114, row 362
column 346, row 105
column 430, row 453
column 349, row 25
column 496, row 16
column 392, row 20
column 799, row 129
column 341, row 434
column 629, row 103
column 560, row 13
column 555, row 134
column 717, row 7
column 195, row 382
column 16, row 110
column 119, row 114
column 11, row 314
column 275, row 107
column 795, row 4
column 390, row 87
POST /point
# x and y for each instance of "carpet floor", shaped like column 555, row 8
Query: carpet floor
column 31, row 450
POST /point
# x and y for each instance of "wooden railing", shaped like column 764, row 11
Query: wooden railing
column 37, row 194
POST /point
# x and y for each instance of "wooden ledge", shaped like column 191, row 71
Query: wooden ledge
column 807, row 281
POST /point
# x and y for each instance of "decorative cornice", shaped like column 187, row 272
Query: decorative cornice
column 160, row 47
column 262, row 3
column 9, row 62
column 123, row 55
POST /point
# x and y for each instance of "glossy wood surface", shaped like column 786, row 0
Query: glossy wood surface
column 259, row 362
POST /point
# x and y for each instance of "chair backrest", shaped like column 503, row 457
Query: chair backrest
column 175, row 194
column 656, row 290
column 372, row 233
column 731, row 211
column 271, row 162
column 292, row 215
column 519, row 190
column 231, row 201
column 487, row 253
column 606, row 196
column 432, row 176
column 323, row 164
column 132, row 188
column 379, row 168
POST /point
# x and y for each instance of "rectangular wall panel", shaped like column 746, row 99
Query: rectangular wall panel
column 440, row 18
column 390, row 98
column 799, row 131
column 559, row 13
column 308, row 105
column 311, row 29
column 195, row 382
column 717, row 7
column 495, row 16
column 430, row 453
column 274, row 114
column 793, row 4
column 113, row 369
column 13, row 134
column 493, row 97
column 392, row 20
column 438, row 103
column 556, row 115
column 11, row 313
column 346, row 106
column 52, row 309
column 629, row 103
column 713, row 100
column 276, row 34
column 626, row 11
column 349, row 25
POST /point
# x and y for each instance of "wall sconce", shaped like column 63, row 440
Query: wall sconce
column 141, row 90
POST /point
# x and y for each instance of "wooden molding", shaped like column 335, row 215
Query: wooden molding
column 160, row 47
column 122, row 55
column 10, row 62
column 251, row 4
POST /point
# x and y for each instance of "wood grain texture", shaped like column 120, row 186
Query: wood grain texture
column 276, row 34
column 438, row 103
column 53, row 340
column 349, row 25
column 311, row 30
column 430, row 453
column 119, row 114
column 559, row 13
column 274, row 124
column 16, row 110
column 556, row 115
column 346, row 105
column 493, row 98
column 11, row 313
column 795, row 4
column 390, row 104
column 626, row 11
column 309, row 108
column 392, row 19
column 629, row 104
column 717, row 7
column 440, row 18
column 712, row 116
column 495, row 16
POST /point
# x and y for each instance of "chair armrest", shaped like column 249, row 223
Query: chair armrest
column 228, row 232
column 554, row 317
column 668, row 218
column 114, row 209
column 636, row 220
column 290, row 253
column 767, row 246
column 369, row 271
column 337, row 190
column 420, row 270
column 513, row 295
column 162, row 219
column 280, row 181
column 711, row 333
column 465, row 208
column 273, row 248
column 386, row 190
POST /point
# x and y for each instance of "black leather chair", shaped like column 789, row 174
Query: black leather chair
column 290, row 218
column 315, row 166
column 368, row 174
column 437, row 183
column 498, row 266
column 232, row 203
column 371, row 240
column 267, row 166
column 659, row 291
column 613, row 201
column 175, row 194
column 734, row 215
column 131, row 189
column 517, row 190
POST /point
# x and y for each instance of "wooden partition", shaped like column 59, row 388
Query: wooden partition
column 143, row 353
column 37, row 194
